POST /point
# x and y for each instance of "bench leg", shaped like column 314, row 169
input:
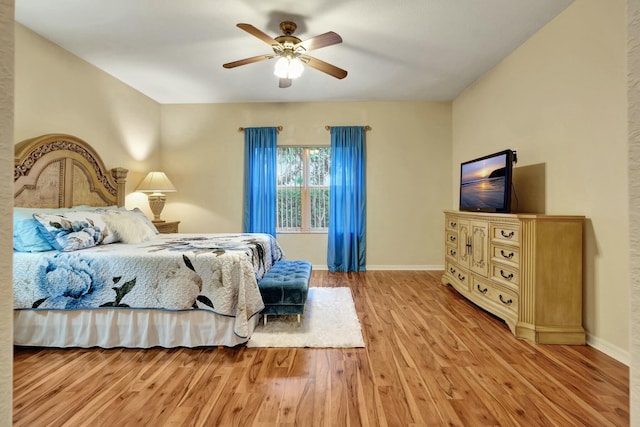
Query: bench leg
column 265, row 318
column 298, row 318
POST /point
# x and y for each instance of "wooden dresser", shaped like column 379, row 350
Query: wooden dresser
column 524, row 268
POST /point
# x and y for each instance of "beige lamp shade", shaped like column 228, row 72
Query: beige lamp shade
column 157, row 184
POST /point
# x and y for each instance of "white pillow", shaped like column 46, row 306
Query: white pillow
column 129, row 227
column 145, row 219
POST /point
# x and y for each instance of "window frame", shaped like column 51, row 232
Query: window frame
column 305, row 194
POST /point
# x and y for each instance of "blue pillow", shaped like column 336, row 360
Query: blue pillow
column 26, row 235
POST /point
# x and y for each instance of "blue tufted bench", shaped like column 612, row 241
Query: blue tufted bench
column 284, row 288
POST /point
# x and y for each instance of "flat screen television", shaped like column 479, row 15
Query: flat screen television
column 485, row 183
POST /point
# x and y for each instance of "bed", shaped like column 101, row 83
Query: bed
column 87, row 272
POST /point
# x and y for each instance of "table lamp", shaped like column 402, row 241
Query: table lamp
column 156, row 183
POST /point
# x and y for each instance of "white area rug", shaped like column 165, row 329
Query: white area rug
column 329, row 320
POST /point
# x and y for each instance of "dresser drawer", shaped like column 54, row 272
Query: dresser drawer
column 451, row 224
column 509, row 255
column 451, row 252
column 496, row 296
column 505, row 233
column 451, row 237
column 460, row 276
column 504, row 274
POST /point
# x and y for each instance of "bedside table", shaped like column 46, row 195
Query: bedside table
column 165, row 227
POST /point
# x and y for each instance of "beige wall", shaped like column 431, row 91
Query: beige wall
column 633, row 55
column 6, row 206
column 408, row 165
column 560, row 101
column 202, row 151
column 57, row 92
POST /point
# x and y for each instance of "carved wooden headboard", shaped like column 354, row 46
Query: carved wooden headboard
column 62, row 171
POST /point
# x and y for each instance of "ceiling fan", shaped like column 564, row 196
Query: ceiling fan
column 291, row 52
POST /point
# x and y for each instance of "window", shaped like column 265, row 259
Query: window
column 303, row 189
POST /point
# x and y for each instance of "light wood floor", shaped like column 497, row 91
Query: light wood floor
column 431, row 358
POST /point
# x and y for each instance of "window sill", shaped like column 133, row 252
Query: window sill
column 301, row 232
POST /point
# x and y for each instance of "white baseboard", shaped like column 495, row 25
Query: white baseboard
column 405, row 267
column 609, row 349
column 393, row 267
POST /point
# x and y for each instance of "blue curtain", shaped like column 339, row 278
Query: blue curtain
column 260, row 163
column 347, row 201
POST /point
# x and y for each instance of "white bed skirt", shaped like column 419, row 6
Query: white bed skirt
column 108, row 328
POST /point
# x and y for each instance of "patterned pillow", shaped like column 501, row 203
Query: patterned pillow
column 70, row 231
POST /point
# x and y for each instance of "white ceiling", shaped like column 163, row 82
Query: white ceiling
column 173, row 50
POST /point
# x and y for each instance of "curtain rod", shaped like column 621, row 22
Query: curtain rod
column 279, row 128
column 366, row 127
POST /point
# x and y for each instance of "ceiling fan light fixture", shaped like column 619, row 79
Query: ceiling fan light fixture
column 295, row 68
column 291, row 53
column 288, row 68
column 282, row 68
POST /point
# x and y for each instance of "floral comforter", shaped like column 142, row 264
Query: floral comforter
column 217, row 272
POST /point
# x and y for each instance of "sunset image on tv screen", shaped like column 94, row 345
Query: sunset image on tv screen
column 482, row 183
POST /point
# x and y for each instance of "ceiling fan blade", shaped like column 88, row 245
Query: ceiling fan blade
column 247, row 61
column 325, row 67
column 323, row 40
column 258, row 33
column 285, row 83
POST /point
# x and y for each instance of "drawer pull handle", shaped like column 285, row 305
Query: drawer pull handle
column 452, row 270
column 452, row 252
column 482, row 291
column 507, row 235
column 453, row 224
column 461, row 277
column 452, row 238
column 506, row 276
column 507, row 302
column 506, row 255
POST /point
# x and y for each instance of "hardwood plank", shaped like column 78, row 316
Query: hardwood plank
column 431, row 358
